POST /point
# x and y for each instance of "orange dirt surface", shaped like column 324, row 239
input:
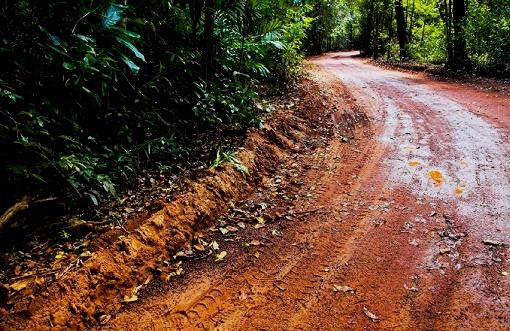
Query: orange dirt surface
column 380, row 200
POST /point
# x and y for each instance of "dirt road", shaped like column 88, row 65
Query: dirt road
column 403, row 226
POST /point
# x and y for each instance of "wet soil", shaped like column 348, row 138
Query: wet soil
column 381, row 202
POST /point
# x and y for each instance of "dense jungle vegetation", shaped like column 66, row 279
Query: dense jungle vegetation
column 466, row 35
column 93, row 91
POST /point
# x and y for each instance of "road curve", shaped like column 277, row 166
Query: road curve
column 410, row 229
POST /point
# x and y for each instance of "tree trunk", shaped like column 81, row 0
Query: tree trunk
column 459, row 59
column 401, row 29
column 390, row 34
column 208, row 51
column 411, row 24
column 366, row 39
column 375, row 37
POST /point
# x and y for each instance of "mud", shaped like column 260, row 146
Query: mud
column 378, row 200
column 115, row 273
column 398, row 236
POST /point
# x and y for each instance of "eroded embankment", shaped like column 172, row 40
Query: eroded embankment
column 114, row 274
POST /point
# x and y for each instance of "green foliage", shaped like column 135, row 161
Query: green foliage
column 95, row 90
column 432, row 37
column 334, row 26
column 229, row 157
column 488, row 35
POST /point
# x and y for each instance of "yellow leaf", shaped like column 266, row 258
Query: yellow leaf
column 131, row 298
column 220, row 256
column 21, row 284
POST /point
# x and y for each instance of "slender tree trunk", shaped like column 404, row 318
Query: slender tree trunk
column 208, row 51
column 401, row 29
column 375, row 38
column 448, row 18
column 390, row 33
column 411, row 23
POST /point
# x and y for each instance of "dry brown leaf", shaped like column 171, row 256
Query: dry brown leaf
column 370, row 315
column 104, row 319
column 342, row 288
column 21, row 284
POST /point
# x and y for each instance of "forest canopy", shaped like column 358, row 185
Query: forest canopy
column 91, row 92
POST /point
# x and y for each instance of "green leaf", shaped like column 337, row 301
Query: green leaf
column 126, row 32
column 93, row 198
column 131, row 47
column 86, row 39
column 55, row 40
column 134, row 68
column 112, row 15
column 69, row 65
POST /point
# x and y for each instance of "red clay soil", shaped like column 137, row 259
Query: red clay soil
column 398, row 222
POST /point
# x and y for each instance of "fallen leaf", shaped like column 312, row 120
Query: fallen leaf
column 104, row 319
column 256, row 254
column 134, row 295
column 214, row 245
column 220, row 256
column 199, row 247
column 231, row 228
column 179, row 271
column 491, row 242
column 414, row 242
column 258, row 226
column 254, row 243
column 276, row 233
column 21, row 284
column 260, row 219
column 504, row 273
column 224, row 231
column 85, row 254
column 40, row 281
column 370, row 315
column 131, row 298
column 281, row 288
column 341, row 288
column 241, row 225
